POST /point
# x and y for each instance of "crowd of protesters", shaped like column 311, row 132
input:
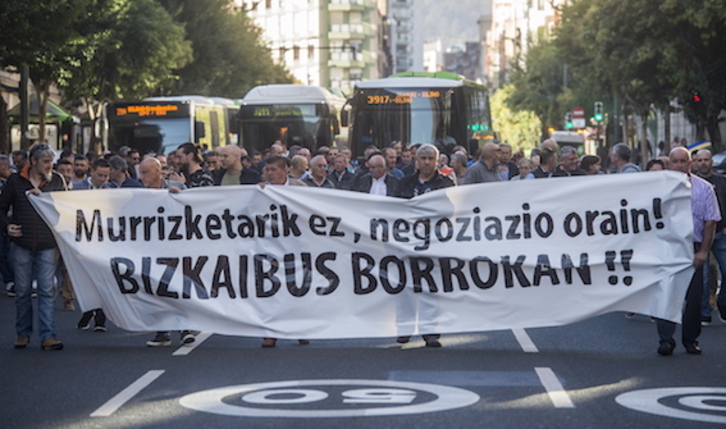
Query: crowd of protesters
column 30, row 267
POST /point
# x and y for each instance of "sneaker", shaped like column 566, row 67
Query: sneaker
column 51, row 343
column 85, row 321
column 100, row 328
column 188, row 337
column 706, row 320
column 161, row 339
column 10, row 289
column 403, row 340
column 629, row 315
column 21, row 342
column 34, row 293
column 433, row 343
column 68, row 305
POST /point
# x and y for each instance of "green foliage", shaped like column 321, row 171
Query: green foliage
column 229, row 55
column 521, row 128
column 131, row 48
column 645, row 52
column 539, row 86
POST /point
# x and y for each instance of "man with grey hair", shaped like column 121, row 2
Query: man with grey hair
column 620, row 158
column 459, row 163
column 487, row 169
column 33, row 250
column 507, row 169
column 318, row 177
column 427, row 178
column 118, row 174
column 568, row 163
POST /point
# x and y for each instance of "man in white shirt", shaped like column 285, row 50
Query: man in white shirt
column 377, row 181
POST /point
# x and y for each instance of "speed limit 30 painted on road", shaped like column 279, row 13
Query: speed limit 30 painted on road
column 329, row 398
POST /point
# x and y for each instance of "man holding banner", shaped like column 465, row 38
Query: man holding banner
column 705, row 213
column 33, row 248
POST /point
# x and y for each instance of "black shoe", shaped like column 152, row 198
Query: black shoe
column 85, row 321
column 706, row 320
column 433, row 343
column 100, row 328
column 403, row 340
column 665, row 349
column 693, row 349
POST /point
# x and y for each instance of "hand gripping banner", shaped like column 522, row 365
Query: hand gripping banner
column 291, row 262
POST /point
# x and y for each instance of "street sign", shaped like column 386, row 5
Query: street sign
column 578, row 112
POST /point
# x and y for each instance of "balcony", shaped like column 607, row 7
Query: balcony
column 347, row 31
column 345, row 59
column 346, row 5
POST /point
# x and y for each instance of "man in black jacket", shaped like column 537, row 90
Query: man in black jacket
column 426, row 179
column 377, row 181
column 33, row 246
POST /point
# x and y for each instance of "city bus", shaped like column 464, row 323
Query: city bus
column 294, row 114
column 440, row 108
column 160, row 124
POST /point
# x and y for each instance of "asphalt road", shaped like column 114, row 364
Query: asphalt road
column 601, row 372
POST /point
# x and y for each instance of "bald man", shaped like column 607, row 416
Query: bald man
column 487, row 169
column 377, row 181
column 151, row 177
column 233, row 171
column 705, row 214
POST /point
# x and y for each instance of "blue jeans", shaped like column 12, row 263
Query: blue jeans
column 29, row 265
column 719, row 252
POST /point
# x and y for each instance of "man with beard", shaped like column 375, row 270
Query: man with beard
column 33, row 249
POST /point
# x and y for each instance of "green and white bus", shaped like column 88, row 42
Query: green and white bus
column 441, row 108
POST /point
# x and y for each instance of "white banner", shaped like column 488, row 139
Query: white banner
column 291, row 262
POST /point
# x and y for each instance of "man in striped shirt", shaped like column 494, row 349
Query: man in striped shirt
column 705, row 213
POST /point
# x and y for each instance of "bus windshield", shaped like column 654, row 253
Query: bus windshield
column 294, row 124
column 160, row 136
column 411, row 115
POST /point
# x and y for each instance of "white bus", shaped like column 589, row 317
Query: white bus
column 295, row 114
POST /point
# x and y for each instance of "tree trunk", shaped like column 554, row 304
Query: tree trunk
column 714, row 132
column 667, row 123
column 644, row 147
column 4, row 127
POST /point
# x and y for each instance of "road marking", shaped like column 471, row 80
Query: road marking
column 554, row 388
column 524, row 341
column 185, row 349
column 123, row 396
column 287, row 399
column 700, row 404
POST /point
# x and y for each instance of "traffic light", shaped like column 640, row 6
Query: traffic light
column 695, row 96
column 598, row 116
column 568, row 120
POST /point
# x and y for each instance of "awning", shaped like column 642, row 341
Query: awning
column 54, row 111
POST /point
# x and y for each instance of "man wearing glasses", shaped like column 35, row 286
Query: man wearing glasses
column 33, row 247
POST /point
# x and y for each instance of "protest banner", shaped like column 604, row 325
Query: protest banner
column 293, row 262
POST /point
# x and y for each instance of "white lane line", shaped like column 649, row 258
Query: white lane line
column 123, row 396
column 557, row 393
column 524, row 341
column 187, row 348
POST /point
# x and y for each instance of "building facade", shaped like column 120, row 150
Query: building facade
column 330, row 43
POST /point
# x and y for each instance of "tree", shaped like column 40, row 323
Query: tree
column 521, row 129
column 129, row 50
column 538, row 86
column 229, row 55
column 40, row 35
